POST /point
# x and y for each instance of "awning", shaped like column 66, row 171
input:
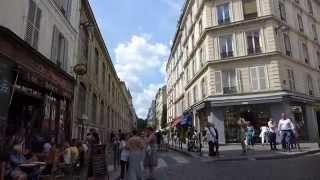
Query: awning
column 187, row 120
column 176, row 121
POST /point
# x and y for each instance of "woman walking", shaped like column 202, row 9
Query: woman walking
column 151, row 159
column 242, row 134
column 135, row 146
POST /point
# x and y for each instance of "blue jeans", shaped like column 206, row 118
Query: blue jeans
column 286, row 139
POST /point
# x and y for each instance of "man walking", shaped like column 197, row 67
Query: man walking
column 286, row 128
column 272, row 134
column 212, row 139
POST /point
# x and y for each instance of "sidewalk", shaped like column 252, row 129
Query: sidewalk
column 232, row 152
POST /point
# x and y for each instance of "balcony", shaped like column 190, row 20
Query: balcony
column 226, row 54
column 230, row 90
column 253, row 51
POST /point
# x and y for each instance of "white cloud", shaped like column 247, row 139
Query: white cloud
column 174, row 4
column 139, row 62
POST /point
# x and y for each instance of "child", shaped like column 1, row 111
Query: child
column 123, row 157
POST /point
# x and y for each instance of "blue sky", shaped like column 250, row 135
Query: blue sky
column 138, row 35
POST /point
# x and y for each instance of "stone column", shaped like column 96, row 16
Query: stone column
column 311, row 122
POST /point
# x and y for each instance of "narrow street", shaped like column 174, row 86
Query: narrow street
column 174, row 166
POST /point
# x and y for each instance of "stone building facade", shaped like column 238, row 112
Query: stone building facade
column 100, row 101
column 246, row 58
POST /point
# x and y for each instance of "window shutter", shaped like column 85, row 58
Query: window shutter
column 239, row 80
column 66, row 53
column 67, row 8
column 218, row 82
column 30, row 21
column 262, row 77
column 36, row 28
column 54, row 48
column 254, row 79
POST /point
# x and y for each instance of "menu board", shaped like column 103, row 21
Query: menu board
column 99, row 163
column 6, row 80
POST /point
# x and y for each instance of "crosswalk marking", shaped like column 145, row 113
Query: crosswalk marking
column 161, row 163
column 180, row 159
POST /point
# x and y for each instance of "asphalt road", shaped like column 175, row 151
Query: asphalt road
column 175, row 166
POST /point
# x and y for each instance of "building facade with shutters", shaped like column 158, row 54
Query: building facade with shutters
column 37, row 53
column 246, row 58
column 100, row 100
column 161, row 108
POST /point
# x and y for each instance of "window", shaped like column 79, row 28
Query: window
column 300, row 23
column 229, row 81
column 192, row 41
column 282, row 9
column 292, row 85
column 226, row 46
column 319, row 85
column 200, row 26
column 315, row 32
column 223, row 14
column 250, row 9
column 96, row 62
column 82, row 100
column 305, row 53
column 310, row 6
column 84, row 42
column 102, row 114
column 287, row 44
column 258, row 77
column 187, row 73
column 194, row 68
column 64, row 6
column 309, row 86
column 297, row 1
column 195, row 94
column 104, row 74
column 253, row 40
column 59, row 49
column 33, row 24
column 204, row 87
column 201, row 57
column 94, row 108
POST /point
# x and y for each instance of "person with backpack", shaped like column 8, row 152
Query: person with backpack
column 212, row 138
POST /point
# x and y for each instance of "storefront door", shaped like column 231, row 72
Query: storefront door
column 257, row 115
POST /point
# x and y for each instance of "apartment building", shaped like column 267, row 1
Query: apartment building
column 246, row 58
column 100, row 101
column 161, row 108
column 36, row 58
column 151, row 116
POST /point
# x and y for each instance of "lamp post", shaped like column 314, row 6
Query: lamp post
column 80, row 70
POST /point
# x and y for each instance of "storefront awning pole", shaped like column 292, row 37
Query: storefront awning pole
column 13, row 87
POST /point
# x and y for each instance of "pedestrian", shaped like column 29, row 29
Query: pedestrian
column 250, row 134
column 272, row 135
column 264, row 130
column 242, row 134
column 135, row 146
column 116, row 151
column 150, row 159
column 212, row 139
column 286, row 129
column 124, row 157
column 159, row 140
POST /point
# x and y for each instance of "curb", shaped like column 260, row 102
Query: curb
column 245, row 158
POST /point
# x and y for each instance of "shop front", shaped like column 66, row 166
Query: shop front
column 225, row 113
column 38, row 99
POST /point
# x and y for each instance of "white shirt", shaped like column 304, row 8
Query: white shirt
column 124, row 153
column 211, row 134
column 272, row 126
column 285, row 124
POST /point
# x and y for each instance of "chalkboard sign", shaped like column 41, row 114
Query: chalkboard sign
column 99, row 164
